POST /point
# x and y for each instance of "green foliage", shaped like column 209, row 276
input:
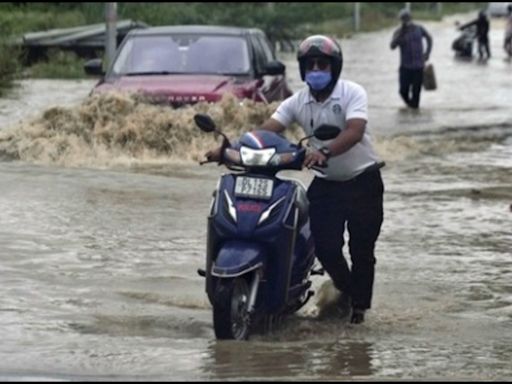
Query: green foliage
column 375, row 16
column 277, row 19
column 285, row 18
column 9, row 65
column 281, row 21
column 18, row 22
column 60, row 65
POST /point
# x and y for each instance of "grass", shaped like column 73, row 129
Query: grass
column 60, row 65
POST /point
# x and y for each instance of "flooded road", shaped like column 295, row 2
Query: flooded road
column 104, row 225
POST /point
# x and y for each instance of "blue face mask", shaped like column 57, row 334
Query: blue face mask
column 318, row 80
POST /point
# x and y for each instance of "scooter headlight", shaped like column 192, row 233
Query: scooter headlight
column 282, row 158
column 232, row 155
column 256, row 157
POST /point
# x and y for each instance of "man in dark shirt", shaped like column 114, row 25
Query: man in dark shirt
column 482, row 34
column 409, row 37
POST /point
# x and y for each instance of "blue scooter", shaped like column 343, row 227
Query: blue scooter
column 260, row 253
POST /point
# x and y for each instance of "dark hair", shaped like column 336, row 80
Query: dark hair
column 404, row 14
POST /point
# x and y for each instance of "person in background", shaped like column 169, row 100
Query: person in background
column 409, row 37
column 507, row 44
column 482, row 34
column 351, row 193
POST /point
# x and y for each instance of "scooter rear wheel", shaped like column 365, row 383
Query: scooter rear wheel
column 231, row 319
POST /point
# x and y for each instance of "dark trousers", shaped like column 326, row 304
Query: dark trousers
column 358, row 205
column 410, row 86
column 483, row 47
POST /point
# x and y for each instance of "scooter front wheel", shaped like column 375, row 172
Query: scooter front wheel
column 231, row 319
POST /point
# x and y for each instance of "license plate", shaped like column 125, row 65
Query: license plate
column 258, row 188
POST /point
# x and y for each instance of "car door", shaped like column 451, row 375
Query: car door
column 273, row 87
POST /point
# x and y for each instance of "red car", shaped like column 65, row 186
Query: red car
column 186, row 64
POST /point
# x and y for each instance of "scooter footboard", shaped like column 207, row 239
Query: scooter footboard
column 238, row 257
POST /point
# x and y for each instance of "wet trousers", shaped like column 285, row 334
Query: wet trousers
column 356, row 204
column 410, row 86
column 484, row 52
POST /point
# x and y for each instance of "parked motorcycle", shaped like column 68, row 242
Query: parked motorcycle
column 260, row 253
column 463, row 45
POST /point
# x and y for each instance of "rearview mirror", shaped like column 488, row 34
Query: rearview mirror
column 94, row 67
column 204, row 122
column 326, row 132
column 274, row 68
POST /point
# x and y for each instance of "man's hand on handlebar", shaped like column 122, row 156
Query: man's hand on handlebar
column 315, row 157
column 213, row 155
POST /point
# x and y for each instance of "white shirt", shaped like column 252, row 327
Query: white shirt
column 347, row 101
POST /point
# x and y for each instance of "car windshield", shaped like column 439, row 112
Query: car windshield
column 182, row 54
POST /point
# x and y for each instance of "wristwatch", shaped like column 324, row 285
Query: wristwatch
column 326, row 152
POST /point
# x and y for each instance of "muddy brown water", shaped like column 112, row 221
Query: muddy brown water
column 103, row 227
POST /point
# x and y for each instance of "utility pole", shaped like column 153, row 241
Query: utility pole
column 408, row 7
column 357, row 16
column 439, row 9
column 111, row 37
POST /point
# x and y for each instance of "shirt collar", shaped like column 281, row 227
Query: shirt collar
column 335, row 94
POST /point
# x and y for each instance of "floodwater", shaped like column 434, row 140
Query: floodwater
column 104, row 217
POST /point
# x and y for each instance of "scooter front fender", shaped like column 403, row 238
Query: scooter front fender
column 238, row 257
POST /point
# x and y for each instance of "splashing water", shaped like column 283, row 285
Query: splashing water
column 125, row 129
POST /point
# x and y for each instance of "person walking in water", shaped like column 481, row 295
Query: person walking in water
column 409, row 37
column 350, row 196
column 507, row 44
column 482, row 34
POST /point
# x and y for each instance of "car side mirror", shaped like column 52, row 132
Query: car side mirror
column 205, row 122
column 326, row 132
column 274, row 68
column 94, row 67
